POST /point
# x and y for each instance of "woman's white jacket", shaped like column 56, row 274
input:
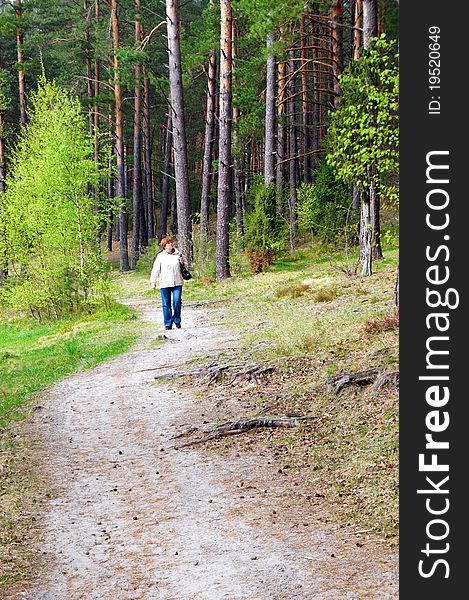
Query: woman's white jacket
column 167, row 269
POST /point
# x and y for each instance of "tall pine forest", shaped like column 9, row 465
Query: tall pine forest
column 235, row 126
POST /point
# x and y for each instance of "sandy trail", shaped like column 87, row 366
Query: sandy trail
column 131, row 518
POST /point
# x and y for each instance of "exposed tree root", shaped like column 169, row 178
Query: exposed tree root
column 214, row 372
column 335, row 384
column 236, row 427
column 391, row 379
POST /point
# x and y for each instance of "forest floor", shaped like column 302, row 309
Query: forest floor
column 129, row 515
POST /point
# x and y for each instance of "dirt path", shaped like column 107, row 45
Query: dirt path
column 131, row 518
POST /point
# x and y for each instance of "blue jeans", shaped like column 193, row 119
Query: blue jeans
column 171, row 315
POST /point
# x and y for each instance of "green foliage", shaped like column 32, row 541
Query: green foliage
column 263, row 16
column 265, row 231
column 202, row 36
column 363, row 137
column 50, row 223
column 147, row 257
column 324, row 207
column 4, row 91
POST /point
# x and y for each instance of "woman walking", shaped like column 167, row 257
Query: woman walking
column 167, row 269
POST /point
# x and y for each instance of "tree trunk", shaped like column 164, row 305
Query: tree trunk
column 208, row 147
column 316, row 114
column 224, row 162
column 292, row 163
column 356, row 43
column 96, row 94
column 377, row 251
column 269, row 160
column 120, row 189
column 89, row 66
column 305, row 134
column 139, row 231
column 358, row 29
column 20, row 56
column 179, row 130
column 337, row 14
column 370, row 30
column 150, row 213
column 366, row 233
column 237, row 179
column 280, row 167
column 370, row 21
column 166, row 179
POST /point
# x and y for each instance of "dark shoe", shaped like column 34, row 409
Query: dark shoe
column 178, row 325
column 168, row 327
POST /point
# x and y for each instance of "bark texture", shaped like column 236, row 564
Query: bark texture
column 208, row 145
column 148, row 176
column 337, row 14
column 165, row 187
column 269, row 160
column 224, row 163
column 20, row 56
column 181, row 172
column 139, row 230
column 120, row 183
column 370, row 21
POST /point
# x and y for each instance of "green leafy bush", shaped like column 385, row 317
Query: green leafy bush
column 363, row 138
column 324, row 208
column 265, row 230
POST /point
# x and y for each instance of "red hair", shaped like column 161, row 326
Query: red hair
column 166, row 240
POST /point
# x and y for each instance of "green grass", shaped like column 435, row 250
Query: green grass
column 34, row 355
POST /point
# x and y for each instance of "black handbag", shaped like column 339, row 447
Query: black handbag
column 185, row 273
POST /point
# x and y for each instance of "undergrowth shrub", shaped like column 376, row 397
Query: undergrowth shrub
column 324, row 208
column 325, row 294
column 147, row 257
column 387, row 322
column 292, row 291
column 265, row 230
